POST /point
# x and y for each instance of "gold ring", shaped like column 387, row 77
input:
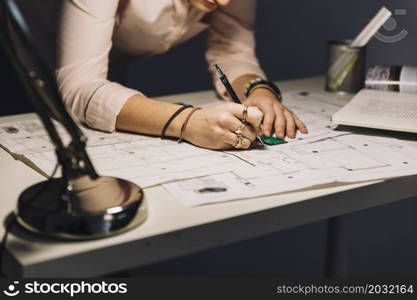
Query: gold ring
column 240, row 129
column 239, row 142
column 245, row 113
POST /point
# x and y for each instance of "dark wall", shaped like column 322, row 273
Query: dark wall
column 291, row 39
column 13, row 99
column 293, row 43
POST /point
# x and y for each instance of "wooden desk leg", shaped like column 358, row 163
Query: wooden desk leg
column 337, row 247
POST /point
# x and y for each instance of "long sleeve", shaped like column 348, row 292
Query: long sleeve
column 231, row 42
column 84, row 44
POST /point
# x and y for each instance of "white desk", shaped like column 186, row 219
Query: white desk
column 172, row 230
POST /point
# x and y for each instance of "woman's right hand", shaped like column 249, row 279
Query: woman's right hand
column 214, row 127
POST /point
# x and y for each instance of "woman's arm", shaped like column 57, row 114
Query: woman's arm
column 208, row 128
column 84, row 45
column 231, row 44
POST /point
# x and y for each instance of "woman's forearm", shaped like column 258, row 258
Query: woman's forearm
column 147, row 116
column 211, row 127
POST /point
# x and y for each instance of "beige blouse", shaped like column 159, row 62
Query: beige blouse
column 90, row 28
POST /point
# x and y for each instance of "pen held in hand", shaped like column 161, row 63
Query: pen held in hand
column 232, row 93
column 227, row 85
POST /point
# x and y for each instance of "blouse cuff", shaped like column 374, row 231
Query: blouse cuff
column 105, row 105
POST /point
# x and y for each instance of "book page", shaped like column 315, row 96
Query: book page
column 380, row 109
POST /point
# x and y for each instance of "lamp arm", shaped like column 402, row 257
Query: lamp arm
column 43, row 93
column 81, row 204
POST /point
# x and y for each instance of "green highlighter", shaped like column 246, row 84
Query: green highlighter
column 272, row 141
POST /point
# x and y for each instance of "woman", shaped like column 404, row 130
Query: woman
column 90, row 29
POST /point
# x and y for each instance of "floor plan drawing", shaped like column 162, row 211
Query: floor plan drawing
column 198, row 176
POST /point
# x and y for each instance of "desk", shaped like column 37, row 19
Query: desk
column 171, row 229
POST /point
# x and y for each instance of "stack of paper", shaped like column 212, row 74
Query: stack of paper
column 381, row 110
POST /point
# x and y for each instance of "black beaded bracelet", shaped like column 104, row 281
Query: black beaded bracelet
column 174, row 115
column 262, row 82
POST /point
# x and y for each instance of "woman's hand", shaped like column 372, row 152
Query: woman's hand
column 277, row 118
column 215, row 127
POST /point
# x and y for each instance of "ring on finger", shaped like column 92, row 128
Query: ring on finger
column 239, row 142
column 240, row 129
column 245, row 113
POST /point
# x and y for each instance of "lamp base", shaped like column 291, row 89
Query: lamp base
column 50, row 209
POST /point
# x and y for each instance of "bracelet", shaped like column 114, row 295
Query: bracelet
column 174, row 115
column 265, row 84
column 184, row 125
column 261, row 86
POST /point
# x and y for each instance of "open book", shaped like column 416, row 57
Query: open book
column 381, row 110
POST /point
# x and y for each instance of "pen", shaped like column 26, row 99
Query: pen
column 231, row 91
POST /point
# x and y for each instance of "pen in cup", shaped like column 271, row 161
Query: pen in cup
column 231, row 92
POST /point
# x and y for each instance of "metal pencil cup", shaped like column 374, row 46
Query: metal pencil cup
column 346, row 67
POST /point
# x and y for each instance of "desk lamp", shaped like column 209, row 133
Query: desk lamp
column 80, row 204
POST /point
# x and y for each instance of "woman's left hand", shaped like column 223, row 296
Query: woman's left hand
column 278, row 119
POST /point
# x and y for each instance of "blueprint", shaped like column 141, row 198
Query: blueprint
column 323, row 156
column 198, row 176
column 147, row 161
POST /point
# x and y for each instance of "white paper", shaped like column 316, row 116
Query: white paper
column 198, row 176
column 380, row 109
column 147, row 161
column 322, row 157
